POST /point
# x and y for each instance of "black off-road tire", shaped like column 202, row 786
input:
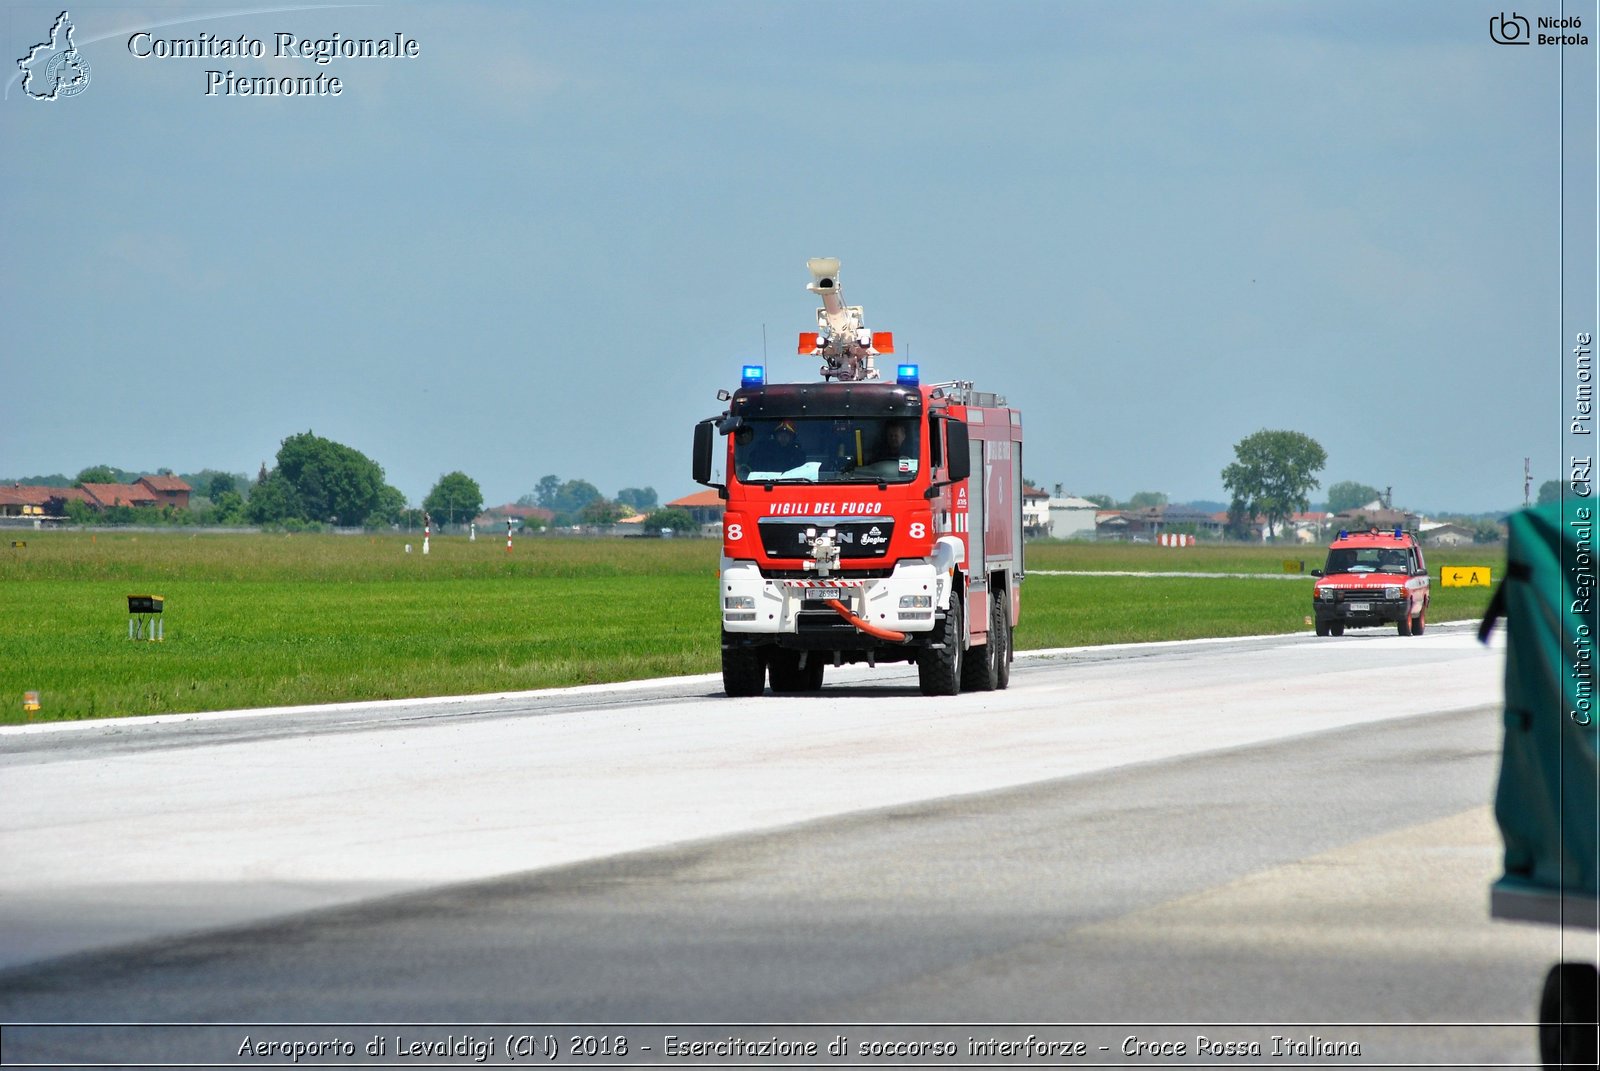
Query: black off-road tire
column 1403, row 626
column 978, row 668
column 744, row 671
column 1322, row 628
column 1000, row 625
column 783, row 670
column 811, row 675
column 1420, row 622
column 939, row 669
column 1337, row 630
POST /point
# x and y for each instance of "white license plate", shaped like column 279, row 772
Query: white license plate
column 819, row 594
column 1360, row 607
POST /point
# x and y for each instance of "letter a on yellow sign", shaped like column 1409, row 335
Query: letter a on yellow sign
column 1458, row 576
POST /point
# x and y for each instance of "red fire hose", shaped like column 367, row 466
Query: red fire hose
column 866, row 626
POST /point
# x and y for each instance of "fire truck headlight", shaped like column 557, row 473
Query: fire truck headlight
column 1393, row 591
column 739, row 602
column 1326, row 594
column 916, row 602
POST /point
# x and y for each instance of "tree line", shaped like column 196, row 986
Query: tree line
column 317, row 482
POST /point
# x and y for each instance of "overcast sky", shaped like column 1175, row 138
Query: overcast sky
column 544, row 242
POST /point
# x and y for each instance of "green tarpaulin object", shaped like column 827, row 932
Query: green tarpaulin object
column 1547, row 802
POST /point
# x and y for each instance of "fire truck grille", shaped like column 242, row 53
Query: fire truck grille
column 865, row 538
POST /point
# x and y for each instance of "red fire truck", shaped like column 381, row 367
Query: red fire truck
column 866, row 520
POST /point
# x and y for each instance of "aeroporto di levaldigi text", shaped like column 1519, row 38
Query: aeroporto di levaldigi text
column 319, row 50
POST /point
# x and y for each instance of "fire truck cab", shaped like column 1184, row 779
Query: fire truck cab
column 865, row 522
column 1371, row 578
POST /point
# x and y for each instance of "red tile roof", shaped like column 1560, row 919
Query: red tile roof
column 118, row 494
column 709, row 497
column 164, row 483
column 27, row 494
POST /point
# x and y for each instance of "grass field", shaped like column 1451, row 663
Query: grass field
column 269, row 620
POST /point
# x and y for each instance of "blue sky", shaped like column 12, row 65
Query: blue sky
column 544, row 243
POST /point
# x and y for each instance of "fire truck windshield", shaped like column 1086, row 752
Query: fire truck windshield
column 771, row 449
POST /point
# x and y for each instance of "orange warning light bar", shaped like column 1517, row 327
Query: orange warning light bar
column 883, row 341
column 809, row 341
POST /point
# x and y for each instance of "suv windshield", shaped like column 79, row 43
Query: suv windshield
column 1367, row 560
column 827, row 449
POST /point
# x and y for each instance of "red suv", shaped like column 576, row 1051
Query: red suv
column 1372, row 578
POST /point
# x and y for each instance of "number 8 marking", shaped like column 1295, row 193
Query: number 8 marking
column 735, row 532
column 918, row 531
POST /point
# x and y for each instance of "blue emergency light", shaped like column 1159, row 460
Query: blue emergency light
column 753, row 375
column 906, row 375
column 1343, row 534
column 1397, row 531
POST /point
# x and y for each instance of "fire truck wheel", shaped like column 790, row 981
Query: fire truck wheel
column 1419, row 622
column 1322, row 628
column 1566, row 1016
column 978, row 668
column 1403, row 626
column 787, row 676
column 1337, row 630
column 1001, row 627
column 743, row 671
column 939, row 669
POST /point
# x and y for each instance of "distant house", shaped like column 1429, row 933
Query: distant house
column 23, row 500
column 1374, row 515
column 1140, row 525
column 1444, row 534
column 1035, row 511
column 705, row 508
column 168, row 490
column 1071, row 517
column 106, row 495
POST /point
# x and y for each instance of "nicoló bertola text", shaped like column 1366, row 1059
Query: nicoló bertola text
column 321, row 51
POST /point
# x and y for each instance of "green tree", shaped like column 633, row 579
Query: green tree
column 390, row 509
column 1146, row 499
column 642, row 499
column 274, row 500
column 1549, row 491
column 1348, row 494
column 228, row 508
column 456, row 497
column 572, row 497
column 675, row 519
column 1103, row 501
column 599, row 512
column 98, row 474
column 545, row 492
column 221, row 484
column 1273, row 474
column 1240, row 521
column 330, row 480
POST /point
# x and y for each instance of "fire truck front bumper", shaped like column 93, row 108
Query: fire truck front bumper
column 799, row 610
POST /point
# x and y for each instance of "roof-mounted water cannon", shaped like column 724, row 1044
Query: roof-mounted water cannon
column 841, row 339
